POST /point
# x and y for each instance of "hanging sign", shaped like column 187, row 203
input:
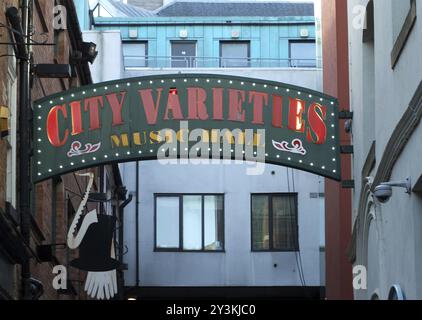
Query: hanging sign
column 133, row 119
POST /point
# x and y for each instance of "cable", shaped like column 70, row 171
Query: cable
column 298, row 253
column 296, row 239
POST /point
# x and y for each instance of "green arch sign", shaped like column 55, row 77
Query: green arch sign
column 137, row 118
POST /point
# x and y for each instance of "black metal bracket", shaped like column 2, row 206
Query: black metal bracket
column 345, row 115
column 346, row 149
column 45, row 251
column 348, row 184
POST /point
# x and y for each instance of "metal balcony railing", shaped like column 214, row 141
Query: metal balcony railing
column 139, row 62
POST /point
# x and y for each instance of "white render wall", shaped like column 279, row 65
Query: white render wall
column 238, row 266
column 394, row 241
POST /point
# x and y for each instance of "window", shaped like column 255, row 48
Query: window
column 302, row 54
column 234, row 54
column 183, row 54
column 274, row 222
column 189, row 222
column 135, row 54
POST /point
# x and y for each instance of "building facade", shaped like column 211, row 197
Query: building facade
column 162, row 232
column 27, row 260
column 387, row 105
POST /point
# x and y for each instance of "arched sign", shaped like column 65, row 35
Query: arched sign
column 132, row 119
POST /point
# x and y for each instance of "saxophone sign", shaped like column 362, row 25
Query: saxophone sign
column 124, row 121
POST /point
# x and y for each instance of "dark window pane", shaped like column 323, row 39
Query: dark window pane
column 234, row 54
column 192, row 223
column 167, row 229
column 284, row 222
column 303, row 54
column 134, row 55
column 213, row 223
column 183, row 54
column 260, row 223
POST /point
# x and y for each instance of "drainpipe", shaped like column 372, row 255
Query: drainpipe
column 137, row 224
column 22, row 41
column 24, row 151
column 121, row 240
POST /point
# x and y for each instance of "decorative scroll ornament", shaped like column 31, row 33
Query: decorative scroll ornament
column 76, row 151
column 296, row 148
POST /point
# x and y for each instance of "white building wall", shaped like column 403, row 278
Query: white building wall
column 238, row 266
column 108, row 65
column 392, row 247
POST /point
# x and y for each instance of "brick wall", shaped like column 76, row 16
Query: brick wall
column 54, row 200
column 4, row 60
column 67, row 187
column 13, row 292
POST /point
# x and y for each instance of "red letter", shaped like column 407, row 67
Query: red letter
column 53, row 126
column 217, row 94
column 317, row 123
column 277, row 111
column 196, row 104
column 94, row 115
column 296, row 109
column 259, row 100
column 75, row 110
column 173, row 104
column 151, row 109
column 235, row 105
column 116, row 107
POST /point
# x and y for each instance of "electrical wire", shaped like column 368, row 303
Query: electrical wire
column 298, row 259
column 292, row 226
column 298, row 253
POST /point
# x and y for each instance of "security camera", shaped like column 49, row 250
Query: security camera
column 89, row 52
column 348, row 125
column 36, row 288
column 384, row 191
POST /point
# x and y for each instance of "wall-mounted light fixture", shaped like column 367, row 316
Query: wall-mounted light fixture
column 53, row 70
column 133, row 33
column 183, row 34
column 304, row 33
column 235, row 34
column 89, row 51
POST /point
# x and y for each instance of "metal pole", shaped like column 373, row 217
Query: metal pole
column 137, row 223
column 121, row 242
column 24, row 151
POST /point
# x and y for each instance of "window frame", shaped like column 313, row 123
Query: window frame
column 192, row 62
column 248, row 58
column 301, row 41
column 270, row 222
column 136, row 42
column 180, row 248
